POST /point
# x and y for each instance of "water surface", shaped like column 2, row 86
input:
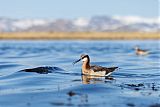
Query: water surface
column 135, row 84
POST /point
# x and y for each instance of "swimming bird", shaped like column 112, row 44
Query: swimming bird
column 94, row 70
column 140, row 51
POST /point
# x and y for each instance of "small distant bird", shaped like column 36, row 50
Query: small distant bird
column 140, row 51
column 94, row 70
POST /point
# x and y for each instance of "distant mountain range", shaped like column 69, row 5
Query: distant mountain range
column 96, row 23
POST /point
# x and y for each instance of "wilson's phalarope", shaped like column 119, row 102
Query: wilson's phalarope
column 94, row 70
column 140, row 51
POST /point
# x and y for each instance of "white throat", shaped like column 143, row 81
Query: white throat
column 84, row 59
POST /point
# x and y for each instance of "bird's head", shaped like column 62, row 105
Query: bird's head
column 83, row 57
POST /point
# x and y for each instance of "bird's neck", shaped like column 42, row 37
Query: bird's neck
column 86, row 67
column 138, row 49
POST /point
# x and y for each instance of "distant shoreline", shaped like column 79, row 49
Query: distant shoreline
column 79, row 35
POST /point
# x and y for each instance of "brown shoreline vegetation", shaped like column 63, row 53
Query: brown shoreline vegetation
column 79, row 35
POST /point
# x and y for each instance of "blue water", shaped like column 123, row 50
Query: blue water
column 135, row 84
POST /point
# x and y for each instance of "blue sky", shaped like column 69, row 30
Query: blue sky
column 77, row 8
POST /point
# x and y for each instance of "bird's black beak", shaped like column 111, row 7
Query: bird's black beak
column 76, row 61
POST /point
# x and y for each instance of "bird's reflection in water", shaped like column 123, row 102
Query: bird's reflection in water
column 89, row 79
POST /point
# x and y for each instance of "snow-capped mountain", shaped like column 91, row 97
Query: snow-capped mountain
column 96, row 23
